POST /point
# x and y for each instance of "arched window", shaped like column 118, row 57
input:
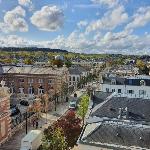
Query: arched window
column 142, row 82
column 113, row 81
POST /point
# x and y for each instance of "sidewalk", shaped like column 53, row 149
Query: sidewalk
column 15, row 142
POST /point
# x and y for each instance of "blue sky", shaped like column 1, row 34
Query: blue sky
column 89, row 26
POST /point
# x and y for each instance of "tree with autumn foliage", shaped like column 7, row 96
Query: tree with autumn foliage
column 36, row 107
column 71, row 126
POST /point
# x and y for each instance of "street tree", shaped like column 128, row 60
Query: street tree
column 54, row 139
column 83, row 107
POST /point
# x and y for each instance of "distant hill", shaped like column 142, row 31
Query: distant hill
column 16, row 49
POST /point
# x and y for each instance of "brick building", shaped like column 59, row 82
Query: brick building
column 5, row 119
column 34, row 80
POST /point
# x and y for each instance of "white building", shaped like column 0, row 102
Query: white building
column 130, row 86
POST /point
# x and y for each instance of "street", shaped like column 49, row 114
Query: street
column 15, row 141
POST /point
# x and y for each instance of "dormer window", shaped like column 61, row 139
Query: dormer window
column 113, row 81
column 142, row 83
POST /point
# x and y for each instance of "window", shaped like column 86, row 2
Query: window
column 130, row 82
column 130, row 92
column 119, row 90
column 113, row 90
column 49, row 81
column 107, row 89
column 40, row 90
column 69, row 78
column 30, row 90
column 30, row 80
column 74, row 78
column 77, row 78
column 142, row 92
column 21, row 90
column 142, row 82
column 40, row 80
column 113, row 81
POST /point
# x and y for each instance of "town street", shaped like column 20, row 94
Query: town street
column 15, row 142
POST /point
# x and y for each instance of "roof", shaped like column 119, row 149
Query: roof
column 77, row 70
column 138, row 108
column 127, row 80
column 117, row 134
column 31, row 70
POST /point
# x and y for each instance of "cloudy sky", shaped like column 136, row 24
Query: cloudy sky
column 89, row 26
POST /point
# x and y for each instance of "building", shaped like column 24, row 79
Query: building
column 34, row 80
column 5, row 119
column 116, row 123
column 76, row 74
column 131, row 86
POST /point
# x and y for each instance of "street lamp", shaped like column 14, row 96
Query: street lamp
column 26, row 114
column 26, row 122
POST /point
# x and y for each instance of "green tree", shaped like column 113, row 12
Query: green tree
column 83, row 107
column 140, row 64
column 28, row 61
column 68, row 64
column 54, row 139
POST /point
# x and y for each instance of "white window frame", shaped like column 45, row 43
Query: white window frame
column 40, row 80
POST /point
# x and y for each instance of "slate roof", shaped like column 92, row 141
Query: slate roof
column 139, row 109
column 99, row 97
column 133, row 80
column 77, row 70
column 117, row 134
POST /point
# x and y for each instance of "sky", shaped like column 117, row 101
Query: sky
column 84, row 26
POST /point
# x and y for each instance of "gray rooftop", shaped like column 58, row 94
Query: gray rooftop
column 117, row 134
column 31, row 70
column 138, row 108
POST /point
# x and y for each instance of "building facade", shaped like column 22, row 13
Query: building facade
column 32, row 80
column 130, row 86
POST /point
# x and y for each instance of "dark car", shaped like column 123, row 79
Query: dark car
column 14, row 111
column 24, row 103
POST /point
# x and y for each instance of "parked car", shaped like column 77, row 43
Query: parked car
column 14, row 111
column 24, row 103
column 73, row 104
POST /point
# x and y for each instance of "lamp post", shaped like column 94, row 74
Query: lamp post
column 26, row 122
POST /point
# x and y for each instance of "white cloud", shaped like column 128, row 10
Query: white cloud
column 109, row 21
column 25, row 2
column 49, row 18
column 119, row 42
column 141, row 18
column 82, row 23
column 14, row 21
column 109, row 3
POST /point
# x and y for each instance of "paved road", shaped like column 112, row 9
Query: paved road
column 15, row 141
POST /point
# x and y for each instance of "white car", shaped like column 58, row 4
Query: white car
column 73, row 104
